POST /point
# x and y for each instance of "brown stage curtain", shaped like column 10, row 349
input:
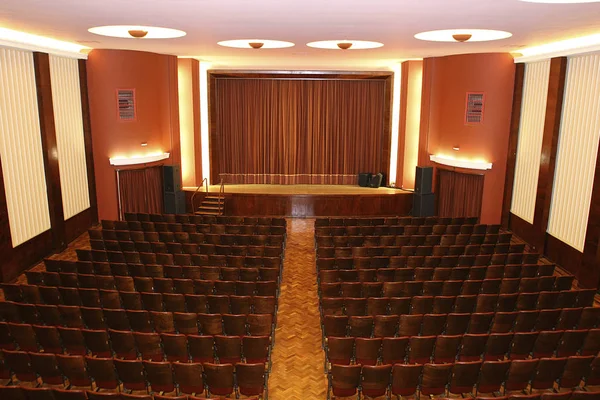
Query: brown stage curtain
column 141, row 190
column 459, row 195
column 299, row 131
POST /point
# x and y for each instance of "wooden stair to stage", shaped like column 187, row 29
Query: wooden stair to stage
column 211, row 205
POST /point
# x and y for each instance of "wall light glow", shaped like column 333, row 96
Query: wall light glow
column 12, row 38
column 204, row 142
column 460, row 162
column 186, row 121
column 413, row 123
column 560, row 48
column 397, row 68
column 138, row 159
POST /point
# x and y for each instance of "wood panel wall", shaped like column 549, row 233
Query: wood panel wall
column 15, row 260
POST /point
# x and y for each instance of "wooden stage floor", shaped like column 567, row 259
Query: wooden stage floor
column 310, row 200
column 302, row 189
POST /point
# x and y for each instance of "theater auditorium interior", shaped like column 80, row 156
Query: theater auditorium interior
column 297, row 200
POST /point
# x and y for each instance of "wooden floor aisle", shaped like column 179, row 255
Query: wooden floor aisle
column 297, row 372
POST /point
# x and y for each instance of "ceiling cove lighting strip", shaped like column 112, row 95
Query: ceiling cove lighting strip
column 583, row 44
column 27, row 41
column 460, row 163
column 150, row 158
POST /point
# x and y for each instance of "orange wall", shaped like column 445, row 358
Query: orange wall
column 154, row 78
column 446, row 80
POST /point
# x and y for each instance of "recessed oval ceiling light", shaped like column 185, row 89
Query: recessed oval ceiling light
column 137, row 32
column 345, row 44
column 255, row 44
column 561, row 1
column 463, row 35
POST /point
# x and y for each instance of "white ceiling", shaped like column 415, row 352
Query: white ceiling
column 392, row 22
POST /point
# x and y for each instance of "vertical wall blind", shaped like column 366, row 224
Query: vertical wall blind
column 68, row 120
column 21, row 147
column 531, row 133
column 577, row 151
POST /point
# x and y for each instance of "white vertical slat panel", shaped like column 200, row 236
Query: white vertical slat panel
column 577, row 151
column 531, row 133
column 21, row 147
column 68, row 121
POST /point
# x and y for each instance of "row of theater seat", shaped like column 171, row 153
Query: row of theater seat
column 351, row 305
column 188, row 248
column 517, row 302
column 187, row 237
column 437, row 250
column 467, row 347
column 210, row 321
column 144, row 321
column 124, row 276
column 131, row 257
column 446, row 233
column 126, row 376
column 29, row 393
column 447, row 288
column 161, row 285
column 512, row 378
column 423, row 260
column 176, row 302
column 414, row 240
column 206, row 219
column 382, row 229
column 193, row 228
column 456, row 323
column 159, row 271
column 436, row 274
column 399, row 220
column 143, row 345
column 88, row 285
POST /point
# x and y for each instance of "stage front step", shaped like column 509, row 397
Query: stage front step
column 210, row 206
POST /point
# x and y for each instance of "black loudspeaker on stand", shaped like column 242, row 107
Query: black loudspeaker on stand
column 423, row 198
column 423, row 180
column 173, row 196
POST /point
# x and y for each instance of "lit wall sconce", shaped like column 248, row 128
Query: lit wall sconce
column 145, row 159
column 460, row 163
column 144, row 144
column 456, row 148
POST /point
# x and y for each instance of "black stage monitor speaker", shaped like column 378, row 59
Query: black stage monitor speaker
column 171, row 178
column 175, row 202
column 376, row 180
column 423, row 180
column 364, row 179
column 423, row 205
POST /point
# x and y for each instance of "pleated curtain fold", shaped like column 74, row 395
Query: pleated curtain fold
column 299, row 131
column 141, row 190
column 459, row 194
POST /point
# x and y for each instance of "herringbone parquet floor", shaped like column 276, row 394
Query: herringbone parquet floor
column 297, row 372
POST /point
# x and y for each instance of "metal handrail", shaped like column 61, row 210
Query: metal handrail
column 205, row 181
column 221, row 196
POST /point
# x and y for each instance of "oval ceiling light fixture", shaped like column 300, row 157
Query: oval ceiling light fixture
column 137, row 32
column 463, row 35
column 255, row 44
column 345, row 44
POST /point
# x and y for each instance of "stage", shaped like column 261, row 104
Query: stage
column 309, row 200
